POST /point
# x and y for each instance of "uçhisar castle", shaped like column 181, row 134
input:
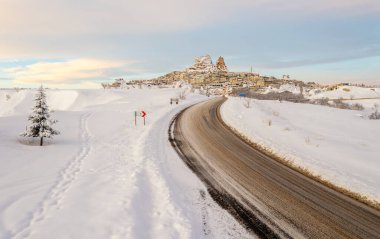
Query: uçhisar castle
column 205, row 73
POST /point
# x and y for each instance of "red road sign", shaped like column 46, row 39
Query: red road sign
column 143, row 114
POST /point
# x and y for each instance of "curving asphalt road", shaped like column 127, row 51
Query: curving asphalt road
column 270, row 199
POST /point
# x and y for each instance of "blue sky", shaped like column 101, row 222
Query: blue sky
column 77, row 44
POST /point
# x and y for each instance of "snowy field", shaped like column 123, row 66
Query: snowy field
column 341, row 145
column 346, row 92
column 102, row 177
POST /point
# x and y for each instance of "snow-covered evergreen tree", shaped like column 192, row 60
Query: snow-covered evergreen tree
column 40, row 122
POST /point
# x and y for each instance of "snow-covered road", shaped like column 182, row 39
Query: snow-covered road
column 104, row 177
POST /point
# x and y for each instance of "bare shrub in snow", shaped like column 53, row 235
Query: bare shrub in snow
column 105, row 85
column 281, row 96
column 7, row 97
column 375, row 115
column 269, row 122
column 307, row 140
column 357, row 106
column 247, row 103
column 182, row 95
column 285, row 96
column 322, row 101
column 340, row 104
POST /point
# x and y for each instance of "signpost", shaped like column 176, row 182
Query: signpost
column 141, row 114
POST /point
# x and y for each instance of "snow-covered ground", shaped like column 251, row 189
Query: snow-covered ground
column 103, row 177
column 285, row 87
column 346, row 92
column 341, row 145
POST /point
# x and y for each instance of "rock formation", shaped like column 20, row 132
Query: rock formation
column 204, row 72
column 221, row 65
column 202, row 64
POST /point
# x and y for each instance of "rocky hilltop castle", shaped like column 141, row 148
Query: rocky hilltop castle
column 205, row 72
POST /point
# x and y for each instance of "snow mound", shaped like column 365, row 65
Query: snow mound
column 283, row 88
column 14, row 102
column 61, row 100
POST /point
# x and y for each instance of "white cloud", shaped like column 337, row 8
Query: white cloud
column 76, row 72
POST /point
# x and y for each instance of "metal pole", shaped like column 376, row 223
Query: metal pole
column 135, row 117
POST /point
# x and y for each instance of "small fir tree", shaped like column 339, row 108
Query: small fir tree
column 40, row 122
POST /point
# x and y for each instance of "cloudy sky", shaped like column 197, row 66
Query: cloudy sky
column 77, row 44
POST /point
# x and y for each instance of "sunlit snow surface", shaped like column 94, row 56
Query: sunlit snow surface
column 103, row 177
column 341, row 145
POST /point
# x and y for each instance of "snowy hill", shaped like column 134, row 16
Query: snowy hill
column 346, row 92
column 367, row 97
column 20, row 102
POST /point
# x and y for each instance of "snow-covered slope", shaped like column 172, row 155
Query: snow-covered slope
column 338, row 144
column 285, row 87
column 103, row 177
column 346, row 92
column 20, row 101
